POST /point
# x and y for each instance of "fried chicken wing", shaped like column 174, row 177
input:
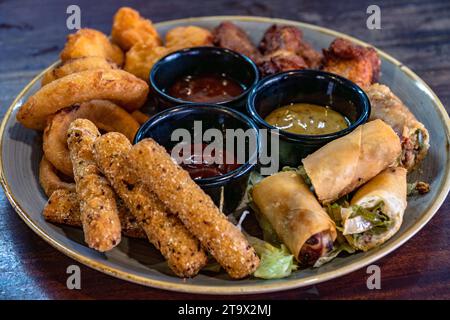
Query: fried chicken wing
column 356, row 63
column 130, row 28
column 284, row 49
column 230, row 36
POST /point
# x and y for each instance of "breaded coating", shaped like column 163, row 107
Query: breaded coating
column 386, row 106
column 117, row 86
column 182, row 196
column 49, row 179
column 77, row 65
column 63, row 207
column 106, row 116
column 164, row 230
column 186, row 37
column 358, row 64
column 230, row 36
column 130, row 28
column 91, row 43
column 99, row 214
column 140, row 117
column 140, row 59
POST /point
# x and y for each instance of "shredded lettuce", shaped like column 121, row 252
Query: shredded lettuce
column 301, row 172
column 275, row 262
column 342, row 247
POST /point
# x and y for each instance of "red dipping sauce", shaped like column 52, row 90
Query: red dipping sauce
column 200, row 167
column 210, row 88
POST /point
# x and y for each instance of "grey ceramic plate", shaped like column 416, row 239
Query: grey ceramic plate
column 137, row 261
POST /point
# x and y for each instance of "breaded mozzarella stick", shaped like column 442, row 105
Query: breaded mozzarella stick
column 164, row 230
column 99, row 214
column 182, row 196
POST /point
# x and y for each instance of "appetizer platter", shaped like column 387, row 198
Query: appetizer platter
column 88, row 162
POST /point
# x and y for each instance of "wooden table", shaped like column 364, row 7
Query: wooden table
column 416, row 32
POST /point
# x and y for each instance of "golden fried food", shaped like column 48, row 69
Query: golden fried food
column 106, row 115
column 140, row 59
column 358, row 64
column 386, row 106
column 164, row 230
column 186, row 37
column 182, row 196
column 99, row 213
column 49, row 179
column 130, row 28
column 77, row 65
column 140, row 117
column 91, row 43
column 116, row 85
column 230, row 36
column 63, row 207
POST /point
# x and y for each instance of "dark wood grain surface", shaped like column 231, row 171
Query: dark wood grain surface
column 416, row 32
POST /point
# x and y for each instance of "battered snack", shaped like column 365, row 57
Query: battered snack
column 116, row 85
column 129, row 28
column 99, row 214
column 91, row 43
column 182, row 196
column 141, row 58
column 230, row 36
column 63, row 207
column 186, row 37
column 140, row 117
column 385, row 105
column 49, row 179
column 358, row 64
column 164, row 230
column 76, row 65
column 106, row 115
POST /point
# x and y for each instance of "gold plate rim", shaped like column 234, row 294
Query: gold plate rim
column 234, row 288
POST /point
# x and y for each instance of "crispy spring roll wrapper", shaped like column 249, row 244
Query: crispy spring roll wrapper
column 390, row 187
column 346, row 163
column 295, row 214
column 413, row 134
column 165, row 231
column 63, row 207
column 99, row 214
column 182, row 196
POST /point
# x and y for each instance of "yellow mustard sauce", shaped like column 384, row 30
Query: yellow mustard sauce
column 308, row 119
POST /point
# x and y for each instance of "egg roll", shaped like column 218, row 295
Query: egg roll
column 296, row 216
column 414, row 136
column 376, row 210
column 346, row 163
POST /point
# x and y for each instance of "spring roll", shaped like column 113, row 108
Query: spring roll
column 414, row 136
column 376, row 210
column 99, row 214
column 164, row 230
column 182, row 196
column 63, row 207
column 296, row 216
column 346, row 163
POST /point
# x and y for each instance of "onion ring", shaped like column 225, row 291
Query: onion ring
column 115, row 85
column 77, row 65
column 106, row 115
column 49, row 179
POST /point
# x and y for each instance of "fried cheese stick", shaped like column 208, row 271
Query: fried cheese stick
column 182, row 196
column 164, row 230
column 99, row 214
column 63, row 207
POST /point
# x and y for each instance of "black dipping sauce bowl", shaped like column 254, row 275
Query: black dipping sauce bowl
column 202, row 61
column 226, row 190
column 306, row 86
